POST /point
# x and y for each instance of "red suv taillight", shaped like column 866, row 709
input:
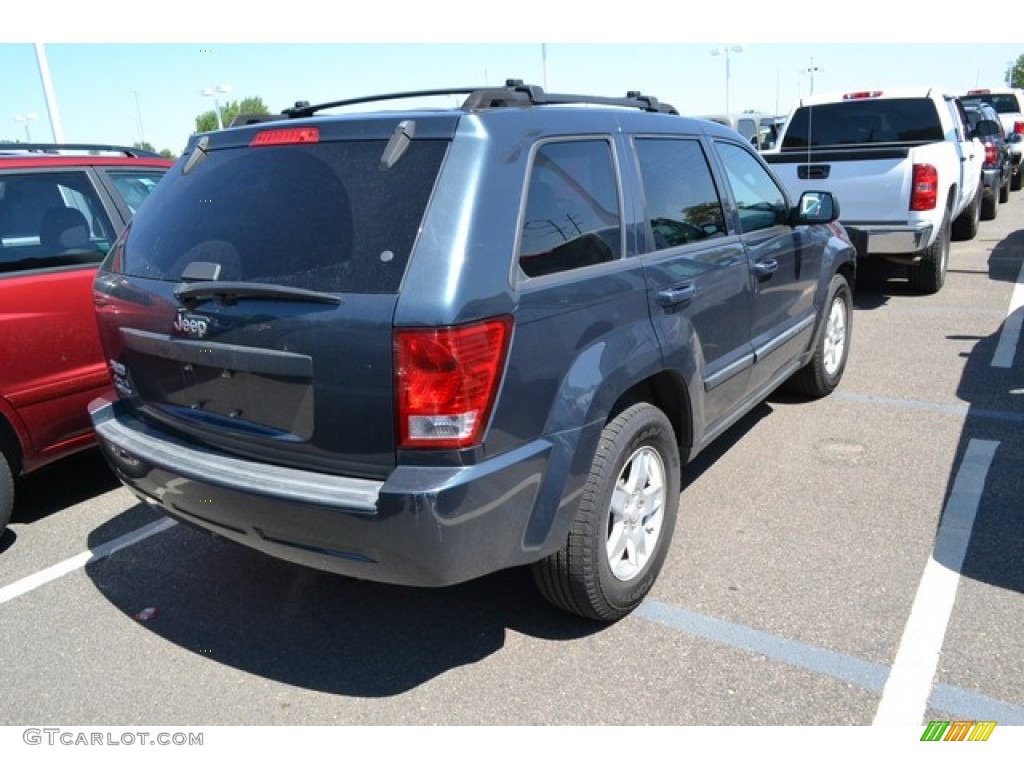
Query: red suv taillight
column 446, row 380
column 925, row 192
column 990, row 153
column 1018, row 126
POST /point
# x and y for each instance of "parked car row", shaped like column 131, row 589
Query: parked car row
column 911, row 168
column 420, row 346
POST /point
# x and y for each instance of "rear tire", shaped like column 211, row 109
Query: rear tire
column 965, row 227
column 930, row 275
column 1016, row 179
column 1004, row 191
column 989, row 207
column 623, row 526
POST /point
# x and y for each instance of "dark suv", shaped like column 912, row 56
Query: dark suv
column 421, row 346
column 61, row 207
column 997, row 170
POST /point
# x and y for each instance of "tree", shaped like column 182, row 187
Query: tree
column 1015, row 74
column 249, row 106
column 145, row 146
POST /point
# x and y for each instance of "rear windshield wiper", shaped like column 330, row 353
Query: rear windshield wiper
column 227, row 292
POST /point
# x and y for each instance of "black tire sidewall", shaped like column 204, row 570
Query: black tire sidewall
column 6, row 492
column 645, row 425
column 840, row 289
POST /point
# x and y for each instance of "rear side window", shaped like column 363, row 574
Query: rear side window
column 134, row 186
column 325, row 217
column 871, row 121
column 51, row 220
column 572, row 215
column 681, row 199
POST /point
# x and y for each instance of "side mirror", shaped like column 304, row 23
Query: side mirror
column 816, row 208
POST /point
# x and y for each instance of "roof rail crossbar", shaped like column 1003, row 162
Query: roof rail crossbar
column 513, row 94
column 537, row 95
column 56, row 148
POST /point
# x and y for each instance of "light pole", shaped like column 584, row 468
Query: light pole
column 25, row 119
column 725, row 50
column 223, row 88
column 811, row 70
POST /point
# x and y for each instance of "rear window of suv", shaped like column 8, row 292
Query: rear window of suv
column 325, row 217
column 871, row 121
column 1003, row 103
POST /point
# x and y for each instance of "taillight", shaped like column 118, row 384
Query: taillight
column 977, row 91
column 925, row 191
column 446, row 380
column 1018, row 126
column 990, row 153
column 280, row 136
column 861, row 95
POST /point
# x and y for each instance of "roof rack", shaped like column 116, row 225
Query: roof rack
column 56, row 149
column 513, row 94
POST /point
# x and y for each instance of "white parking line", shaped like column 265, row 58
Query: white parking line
column 1003, row 357
column 45, row 576
column 906, row 693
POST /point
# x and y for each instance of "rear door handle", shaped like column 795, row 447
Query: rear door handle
column 764, row 267
column 677, row 295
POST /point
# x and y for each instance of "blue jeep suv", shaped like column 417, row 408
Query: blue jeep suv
column 421, row 346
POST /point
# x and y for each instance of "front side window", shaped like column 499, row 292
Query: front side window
column 51, row 220
column 682, row 203
column 759, row 201
column 572, row 209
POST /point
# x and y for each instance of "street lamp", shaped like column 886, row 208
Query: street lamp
column 25, row 119
column 725, row 50
column 223, row 88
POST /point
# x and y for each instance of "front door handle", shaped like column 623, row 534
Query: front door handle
column 677, row 295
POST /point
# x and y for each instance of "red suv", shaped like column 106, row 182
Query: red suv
column 61, row 206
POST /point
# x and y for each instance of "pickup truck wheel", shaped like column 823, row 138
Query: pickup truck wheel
column 1016, row 179
column 930, row 275
column 989, row 208
column 623, row 526
column 831, row 348
column 1004, row 191
column 965, row 227
column 6, row 492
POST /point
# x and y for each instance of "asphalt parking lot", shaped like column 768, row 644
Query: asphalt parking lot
column 851, row 561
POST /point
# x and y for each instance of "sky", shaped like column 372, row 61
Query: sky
column 117, row 82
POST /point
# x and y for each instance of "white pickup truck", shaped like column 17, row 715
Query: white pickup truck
column 901, row 165
column 1009, row 103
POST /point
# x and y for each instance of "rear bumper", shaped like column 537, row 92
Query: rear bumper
column 423, row 526
column 883, row 239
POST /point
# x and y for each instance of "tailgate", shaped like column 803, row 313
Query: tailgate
column 871, row 184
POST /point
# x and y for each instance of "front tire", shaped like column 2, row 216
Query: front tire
column 623, row 526
column 822, row 374
column 6, row 491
